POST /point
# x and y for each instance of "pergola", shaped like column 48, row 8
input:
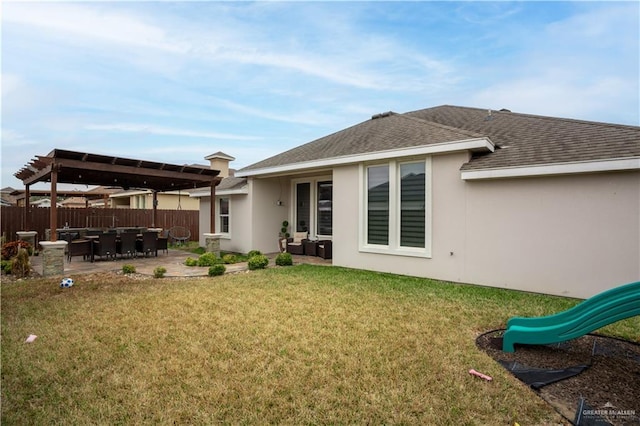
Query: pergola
column 62, row 166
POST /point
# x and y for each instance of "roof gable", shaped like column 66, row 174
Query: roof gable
column 385, row 132
column 521, row 140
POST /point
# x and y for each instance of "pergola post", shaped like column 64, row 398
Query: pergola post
column 27, row 207
column 53, row 219
column 154, row 215
column 212, row 219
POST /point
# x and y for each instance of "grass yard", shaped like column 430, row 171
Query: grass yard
column 298, row 345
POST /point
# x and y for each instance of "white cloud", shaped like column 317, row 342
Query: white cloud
column 90, row 23
column 165, row 131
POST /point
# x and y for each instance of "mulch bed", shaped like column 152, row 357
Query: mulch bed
column 610, row 385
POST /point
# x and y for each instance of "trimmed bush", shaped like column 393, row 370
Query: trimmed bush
column 258, row 262
column 229, row 259
column 159, row 272
column 216, row 270
column 190, row 261
column 207, row 259
column 6, row 266
column 128, row 269
column 254, row 253
column 284, row 259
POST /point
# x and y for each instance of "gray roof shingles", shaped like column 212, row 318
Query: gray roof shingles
column 521, row 139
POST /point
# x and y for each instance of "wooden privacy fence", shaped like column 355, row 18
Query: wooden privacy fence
column 12, row 219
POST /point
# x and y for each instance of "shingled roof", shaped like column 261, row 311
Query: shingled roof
column 532, row 140
column 521, row 140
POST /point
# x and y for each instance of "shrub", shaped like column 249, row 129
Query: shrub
column 218, row 269
column 159, row 272
column 207, row 259
column 20, row 265
column 6, row 266
column 259, row 261
column 229, row 259
column 10, row 249
column 254, row 253
column 199, row 250
column 284, row 259
column 128, row 269
column 190, row 261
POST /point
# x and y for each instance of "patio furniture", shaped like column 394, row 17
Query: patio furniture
column 296, row 245
column 180, row 234
column 311, row 247
column 163, row 241
column 79, row 248
column 325, row 249
column 148, row 244
column 127, row 244
column 105, row 245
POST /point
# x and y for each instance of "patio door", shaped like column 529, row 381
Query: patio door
column 303, row 206
column 313, row 212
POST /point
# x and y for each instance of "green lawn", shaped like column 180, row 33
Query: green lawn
column 298, row 345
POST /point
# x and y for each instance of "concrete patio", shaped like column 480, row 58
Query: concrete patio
column 173, row 261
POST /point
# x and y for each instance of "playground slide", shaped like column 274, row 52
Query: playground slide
column 602, row 309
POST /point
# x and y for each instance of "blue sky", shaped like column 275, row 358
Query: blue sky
column 175, row 82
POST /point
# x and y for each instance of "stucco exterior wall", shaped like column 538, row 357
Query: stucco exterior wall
column 266, row 214
column 574, row 235
column 239, row 239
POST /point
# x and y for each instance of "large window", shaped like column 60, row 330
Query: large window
column 412, row 205
column 378, row 205
column 396, row 208
column 223, row 209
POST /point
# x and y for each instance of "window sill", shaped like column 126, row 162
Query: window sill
column 400, row 251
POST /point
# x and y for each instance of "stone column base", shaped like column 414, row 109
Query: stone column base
column 212, row 243
column 28, row 236
column 53, row 257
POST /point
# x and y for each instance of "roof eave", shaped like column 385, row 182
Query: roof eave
column 474, row 145
column 596, row 166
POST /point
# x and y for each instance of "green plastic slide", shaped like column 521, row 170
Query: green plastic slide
column 602, row 309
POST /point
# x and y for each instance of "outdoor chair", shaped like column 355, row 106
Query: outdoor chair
column 127, row 244
column 105, row 245
column 79, row 248
column 148, row 244
column 163, row 241
column 325, row 249
column 179, row 234
column 296, row 245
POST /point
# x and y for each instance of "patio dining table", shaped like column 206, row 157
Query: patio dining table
column 88, row 243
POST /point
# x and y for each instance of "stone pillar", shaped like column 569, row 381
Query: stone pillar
column 53, row 257
column 28, row 236
column 212, row 243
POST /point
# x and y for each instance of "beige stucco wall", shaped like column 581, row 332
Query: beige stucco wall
column 267, row 215
column 574, row 235
column 239, row 239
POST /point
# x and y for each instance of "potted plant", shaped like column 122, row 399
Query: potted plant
column 283, row 235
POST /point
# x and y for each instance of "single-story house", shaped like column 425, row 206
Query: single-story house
column 495, row 198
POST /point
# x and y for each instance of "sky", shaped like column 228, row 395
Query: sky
column 174, row 82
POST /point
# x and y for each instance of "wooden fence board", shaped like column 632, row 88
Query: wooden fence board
column 12, row 219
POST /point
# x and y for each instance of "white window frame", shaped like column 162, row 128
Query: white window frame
column 313, row 195
column 394, row 248
column 219, row 218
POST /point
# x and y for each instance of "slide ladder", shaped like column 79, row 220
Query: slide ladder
column 602, row 309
